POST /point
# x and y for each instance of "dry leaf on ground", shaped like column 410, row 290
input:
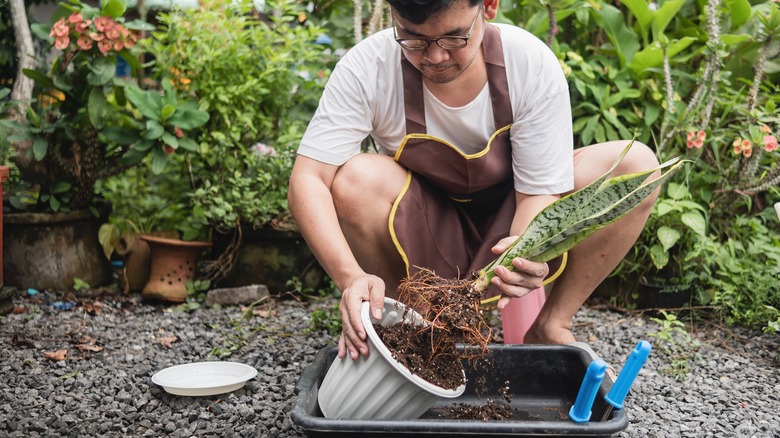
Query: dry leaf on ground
column 168, row 341
column 56, row 355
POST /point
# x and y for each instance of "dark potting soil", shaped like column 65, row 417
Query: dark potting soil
column 412, row 348
column 492, row 410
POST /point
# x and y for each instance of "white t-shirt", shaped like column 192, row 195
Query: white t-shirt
column 364, row 96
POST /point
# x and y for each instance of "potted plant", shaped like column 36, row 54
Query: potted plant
column 85, row 125
column 251, row 70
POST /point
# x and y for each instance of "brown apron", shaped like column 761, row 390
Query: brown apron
column 454, row 207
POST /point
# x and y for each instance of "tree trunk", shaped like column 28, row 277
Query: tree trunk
column 25, row 52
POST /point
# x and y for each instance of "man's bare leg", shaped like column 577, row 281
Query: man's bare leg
column 593, row 260
column 364, row 190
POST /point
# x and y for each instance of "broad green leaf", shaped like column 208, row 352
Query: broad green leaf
column 40, row 79
column 188, row 144
column 108, row 234
column 188, row 117
column 40, row 147
column 101, row 71
column 147, row 102
column 114, row 8
column 54, row 204
column 733, row 40
column 659, row 256
column 170, row 140
column 641, row 11
column 159, row 160
column 623, row 39
column 676, row 190
column 96, row 108
column 652, row 56
column 120, row 135
column 61, row 187
column 154, row 130
column 695, row 221
column 740, row 12
column 668, row 236
column 167, row 111
column 664, row 15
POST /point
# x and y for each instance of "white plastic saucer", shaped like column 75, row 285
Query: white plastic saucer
column 204, row 378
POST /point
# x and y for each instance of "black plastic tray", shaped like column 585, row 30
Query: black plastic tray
column 543, row 383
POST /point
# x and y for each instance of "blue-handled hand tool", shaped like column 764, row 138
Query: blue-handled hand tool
column 626, row 378
column 580, row 412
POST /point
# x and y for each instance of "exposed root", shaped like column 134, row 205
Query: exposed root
column 450, row 307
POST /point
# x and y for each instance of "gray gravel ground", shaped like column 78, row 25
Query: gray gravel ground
column 731, row 389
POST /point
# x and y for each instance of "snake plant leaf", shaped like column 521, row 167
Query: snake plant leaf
column 569, row 220
column 558, row 215
column 569, row 238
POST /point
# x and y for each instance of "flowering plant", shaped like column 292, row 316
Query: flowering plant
column 87, row 123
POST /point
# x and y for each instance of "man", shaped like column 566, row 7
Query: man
column 473, row 123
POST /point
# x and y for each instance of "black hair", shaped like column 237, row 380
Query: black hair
column 417, row 11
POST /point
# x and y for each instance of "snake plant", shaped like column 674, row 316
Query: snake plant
column 569, row 220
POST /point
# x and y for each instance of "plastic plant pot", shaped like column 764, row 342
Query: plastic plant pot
column 377, row 386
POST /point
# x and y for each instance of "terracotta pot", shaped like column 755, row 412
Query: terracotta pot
column 51, row 250
column 135, row 254
column 173, row 264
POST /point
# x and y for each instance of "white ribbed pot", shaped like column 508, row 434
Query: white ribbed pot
column 377, row 386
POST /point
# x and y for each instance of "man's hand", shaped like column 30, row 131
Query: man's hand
column 353, row 335
column 526, row 276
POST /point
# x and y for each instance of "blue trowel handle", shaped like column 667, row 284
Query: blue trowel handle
column 580, row 412
column 627, row 375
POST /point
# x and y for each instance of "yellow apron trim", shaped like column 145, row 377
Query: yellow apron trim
column 390, row 220
column 473, row 156
column 546, row 281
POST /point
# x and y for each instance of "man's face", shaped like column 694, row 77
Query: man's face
column 437, row 64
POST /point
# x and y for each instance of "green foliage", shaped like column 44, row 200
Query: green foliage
column 258, row 80
column 741, row 273
column 87, row 124
column 80, row 285
column 678, row 346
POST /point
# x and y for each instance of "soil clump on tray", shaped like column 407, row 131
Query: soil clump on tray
column 451, row 315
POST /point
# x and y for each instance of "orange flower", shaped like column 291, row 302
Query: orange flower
column 61, row 42
column 84, row 42
column 746, row 145
column 701, row 135
column 103, row 23
column 105, row 46
column 59, row 29
column 765, row 129
column 698, row 143
column 770, row 143
column 75, row 18
column 747, row 152
column 690, row 136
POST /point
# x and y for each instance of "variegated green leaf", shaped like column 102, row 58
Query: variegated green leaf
column 566, row 240
column 559, row 215
column 571, row 219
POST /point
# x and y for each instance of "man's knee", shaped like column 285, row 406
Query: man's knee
column 366, row 179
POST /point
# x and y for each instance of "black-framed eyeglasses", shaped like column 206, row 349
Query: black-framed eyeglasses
column 447, row 42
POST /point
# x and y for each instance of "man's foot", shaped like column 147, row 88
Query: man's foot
column 548, row 334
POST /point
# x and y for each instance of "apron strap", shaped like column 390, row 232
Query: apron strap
column 414, row 104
